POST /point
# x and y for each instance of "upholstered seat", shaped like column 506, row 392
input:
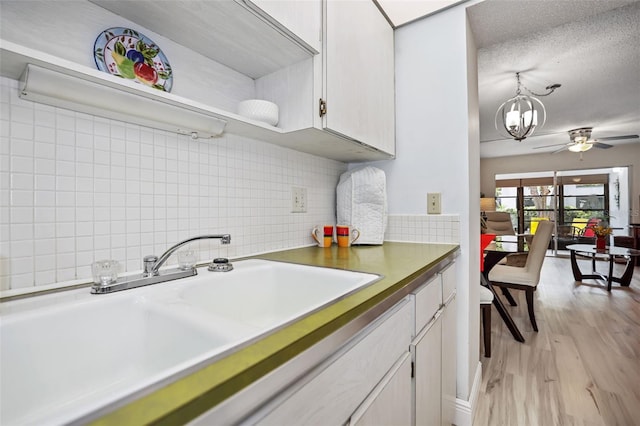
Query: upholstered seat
column 527, row 277
column 498, row 223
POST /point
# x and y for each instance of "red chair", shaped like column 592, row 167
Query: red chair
column 588, row 232
column 486, row 298
column 485, row 239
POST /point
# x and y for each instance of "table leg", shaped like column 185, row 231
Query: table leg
column 504, row 314
column 577, row 275
column 610, row 276
column 625, row 279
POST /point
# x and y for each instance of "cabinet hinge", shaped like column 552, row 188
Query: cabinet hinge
column 322, row 107
column 413, row 369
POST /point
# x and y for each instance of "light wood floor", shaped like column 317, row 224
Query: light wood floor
column 581, row 368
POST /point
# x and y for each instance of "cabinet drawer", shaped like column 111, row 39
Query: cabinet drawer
column 427, row 299
column 333, row 391
column 448, row 282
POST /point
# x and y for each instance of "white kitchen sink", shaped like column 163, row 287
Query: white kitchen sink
column 272, row 293
column 60, row 362
column 65, row 361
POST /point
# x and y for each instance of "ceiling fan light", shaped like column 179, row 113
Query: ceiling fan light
column 580, row 147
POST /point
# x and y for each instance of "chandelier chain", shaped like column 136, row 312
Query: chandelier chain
column 550, row 88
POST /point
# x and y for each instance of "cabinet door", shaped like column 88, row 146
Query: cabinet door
column 449, row 361
column 390, row 402
column 335, row 389
column 303, row 18
column 428, row 367
column 359, row 74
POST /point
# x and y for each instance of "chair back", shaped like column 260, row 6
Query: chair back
column 485, row 240
column 499, row 223
column 588, row 232
column 538, row 248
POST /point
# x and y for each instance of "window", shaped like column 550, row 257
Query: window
column 573, row 200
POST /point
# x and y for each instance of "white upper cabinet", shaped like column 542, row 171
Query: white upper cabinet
column 302, row 18
column 221, row 52
column 227, row 31
column 359, row 74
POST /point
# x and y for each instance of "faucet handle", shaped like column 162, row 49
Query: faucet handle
column 148, row 262
column 220, row 264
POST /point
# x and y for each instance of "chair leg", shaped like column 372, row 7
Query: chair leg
column 508, row 296
column 532, row 315
column 486, row 328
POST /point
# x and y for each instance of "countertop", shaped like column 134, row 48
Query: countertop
column 188, row 397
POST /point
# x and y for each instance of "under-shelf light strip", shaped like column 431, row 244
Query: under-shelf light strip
column 58, row 89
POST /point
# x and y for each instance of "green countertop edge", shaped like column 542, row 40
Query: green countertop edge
column 196, row 393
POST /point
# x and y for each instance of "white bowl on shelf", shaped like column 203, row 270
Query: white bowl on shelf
column 259, row 110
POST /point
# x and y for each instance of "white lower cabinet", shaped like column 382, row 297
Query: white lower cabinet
column 334, row 390
column 426, row 349
column 390, row 402
column 434, row 350
column 449, row 369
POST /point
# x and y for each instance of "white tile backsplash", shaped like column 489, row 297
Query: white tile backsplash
column 444, row 228
column 77, row 188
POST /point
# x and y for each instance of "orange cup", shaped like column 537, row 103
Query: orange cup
column 323, row 235
column 347, row 235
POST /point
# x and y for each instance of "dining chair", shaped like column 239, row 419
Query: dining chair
column 486, row 300
column 527, row 277
column 498, row 223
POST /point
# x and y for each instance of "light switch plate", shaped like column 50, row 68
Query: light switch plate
column 433, row 203
column 298, row 200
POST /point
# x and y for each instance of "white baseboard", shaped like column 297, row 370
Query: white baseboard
column 466, row 409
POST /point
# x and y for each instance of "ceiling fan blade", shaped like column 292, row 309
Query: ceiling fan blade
column 559, row 150
column 601, row 145
column 549, row 146
column 614, row 138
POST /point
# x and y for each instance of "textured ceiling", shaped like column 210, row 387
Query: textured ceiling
column 592, row 48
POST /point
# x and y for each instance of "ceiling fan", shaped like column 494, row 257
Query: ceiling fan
column 581, row 141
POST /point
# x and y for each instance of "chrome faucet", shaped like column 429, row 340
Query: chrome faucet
column 152, row 263
column 151, row 269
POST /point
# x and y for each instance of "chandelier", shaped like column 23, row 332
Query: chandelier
column 519, row 116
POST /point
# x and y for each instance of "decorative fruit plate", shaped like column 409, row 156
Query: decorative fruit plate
column 128, row 54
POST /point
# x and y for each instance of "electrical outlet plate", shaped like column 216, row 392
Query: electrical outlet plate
column 298, row 200
column 433, row 203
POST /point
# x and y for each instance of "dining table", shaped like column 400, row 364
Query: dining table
column 499, row 248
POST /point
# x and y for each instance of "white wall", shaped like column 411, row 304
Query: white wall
column 438, row 151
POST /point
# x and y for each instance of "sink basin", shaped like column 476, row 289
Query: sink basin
column 62, row 362
column 272, row 293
